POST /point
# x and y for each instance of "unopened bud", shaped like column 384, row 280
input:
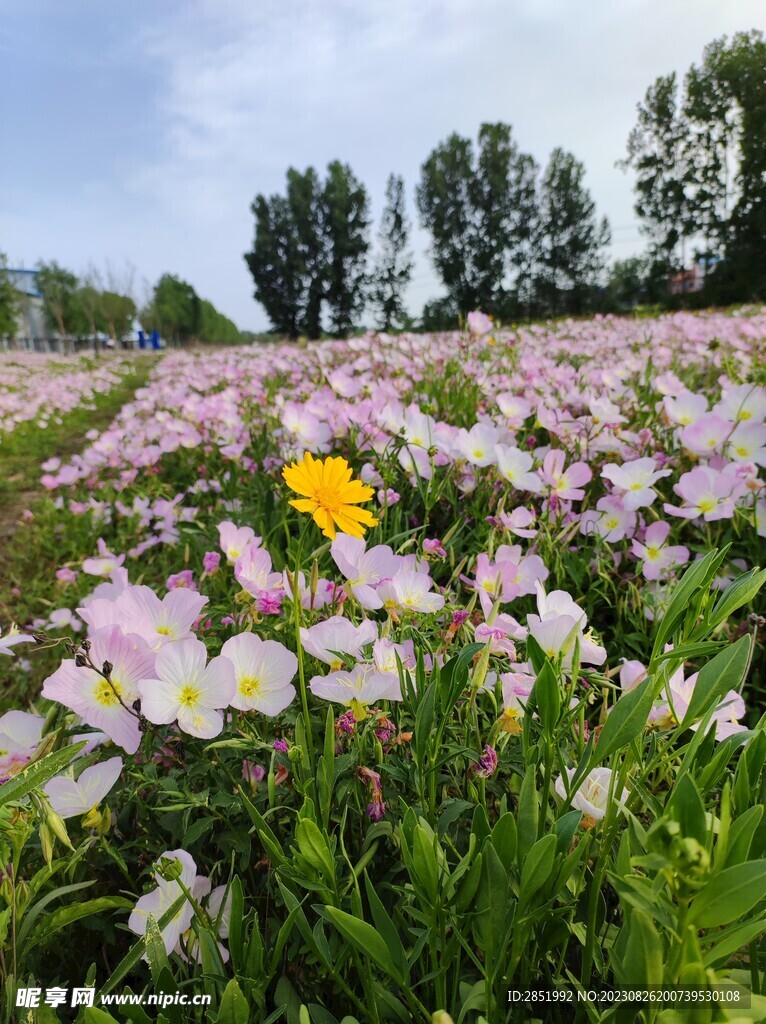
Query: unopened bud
column 107, row 667
column 46, row 843
column 80, row 661
column 56, row 824
column 290, row 579
column 441, row 1017
column 169, row 869
column 314, row 578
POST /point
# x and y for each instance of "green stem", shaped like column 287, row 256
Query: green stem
column 297, row 616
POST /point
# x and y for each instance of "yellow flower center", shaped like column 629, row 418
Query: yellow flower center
column 189, row 696
column 652, row 551
column 108, row 694
column 249, row 686
column 163, row 630
column 707, row 504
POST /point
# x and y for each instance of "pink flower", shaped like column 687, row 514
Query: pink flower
column 707, row 493
column 565, row 483
column 106, row 704
column 433, row 546
column 263, row 670
column 185, row 578
column 235, row 539
column 707, row 435
column 330, row 640
column 159, row 621
column 479, row 323
column 186, row 689
column 210, row 562
column 611, row 520
column 634, row 482
column 657, row 557
column 252, row 570
column 363, row 569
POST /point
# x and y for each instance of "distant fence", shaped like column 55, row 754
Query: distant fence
column 61, row 346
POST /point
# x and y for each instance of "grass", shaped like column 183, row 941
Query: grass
column 21, row 454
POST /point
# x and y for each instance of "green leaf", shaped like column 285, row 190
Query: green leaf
column 155, row 949
column 424, row 721
column 135, row 953
column 92, row 1015
column 387, row 929
column 698, row 576
column 505, row 839
column 685, row 806
column 38, row 773
column 63, row 917
column 723, row 673
column 453, row 677
column 729, row 894
column 625, row 721
column 314, row 846
column 643, row 960
column 547, row 696
column 739, row 593
column 233, row 1008
column 366, row 940
column 732, row 940
column 537, row 867
column 528, row 813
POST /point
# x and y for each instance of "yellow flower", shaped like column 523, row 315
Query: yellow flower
column 330, row 495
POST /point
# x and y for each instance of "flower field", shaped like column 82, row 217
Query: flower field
column 375, row 680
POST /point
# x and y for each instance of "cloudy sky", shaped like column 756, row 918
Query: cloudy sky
column 138, row 133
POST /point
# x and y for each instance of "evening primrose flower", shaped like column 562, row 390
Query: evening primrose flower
column 592, row 797
column 70, row 797
column 357, row 689
column 157, row 902
column 187, row 690
column 263, row 670
column 101, row 703
column 330, row 495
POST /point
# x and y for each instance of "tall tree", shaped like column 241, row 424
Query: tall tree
column 481, row 212
column 62, row 306
column 307, row 209
column 174, row 310
column 444, row 201
column 117, row 313
column 10, row 304
column 217, row 328
column 571, row 239
column 275, row 264
column 658, row 153
column 394, row 265
column 346, row 222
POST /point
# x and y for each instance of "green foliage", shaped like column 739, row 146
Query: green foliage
column 506, row 239
column 683, row 147
column 570, row 238
column 9, row 301
column 61, row 300
column 310, row 251
column 175, row 310
column 394, row 266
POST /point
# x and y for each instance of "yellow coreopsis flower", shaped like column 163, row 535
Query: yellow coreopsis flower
column 330, row 495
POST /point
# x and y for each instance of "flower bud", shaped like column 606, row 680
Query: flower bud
column 169, row 869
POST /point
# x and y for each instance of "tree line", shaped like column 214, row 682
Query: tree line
column 698, row 150
column 95, row 305
column 517, row 240
column 506, row 236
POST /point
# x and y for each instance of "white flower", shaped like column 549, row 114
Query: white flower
column 592, row 798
